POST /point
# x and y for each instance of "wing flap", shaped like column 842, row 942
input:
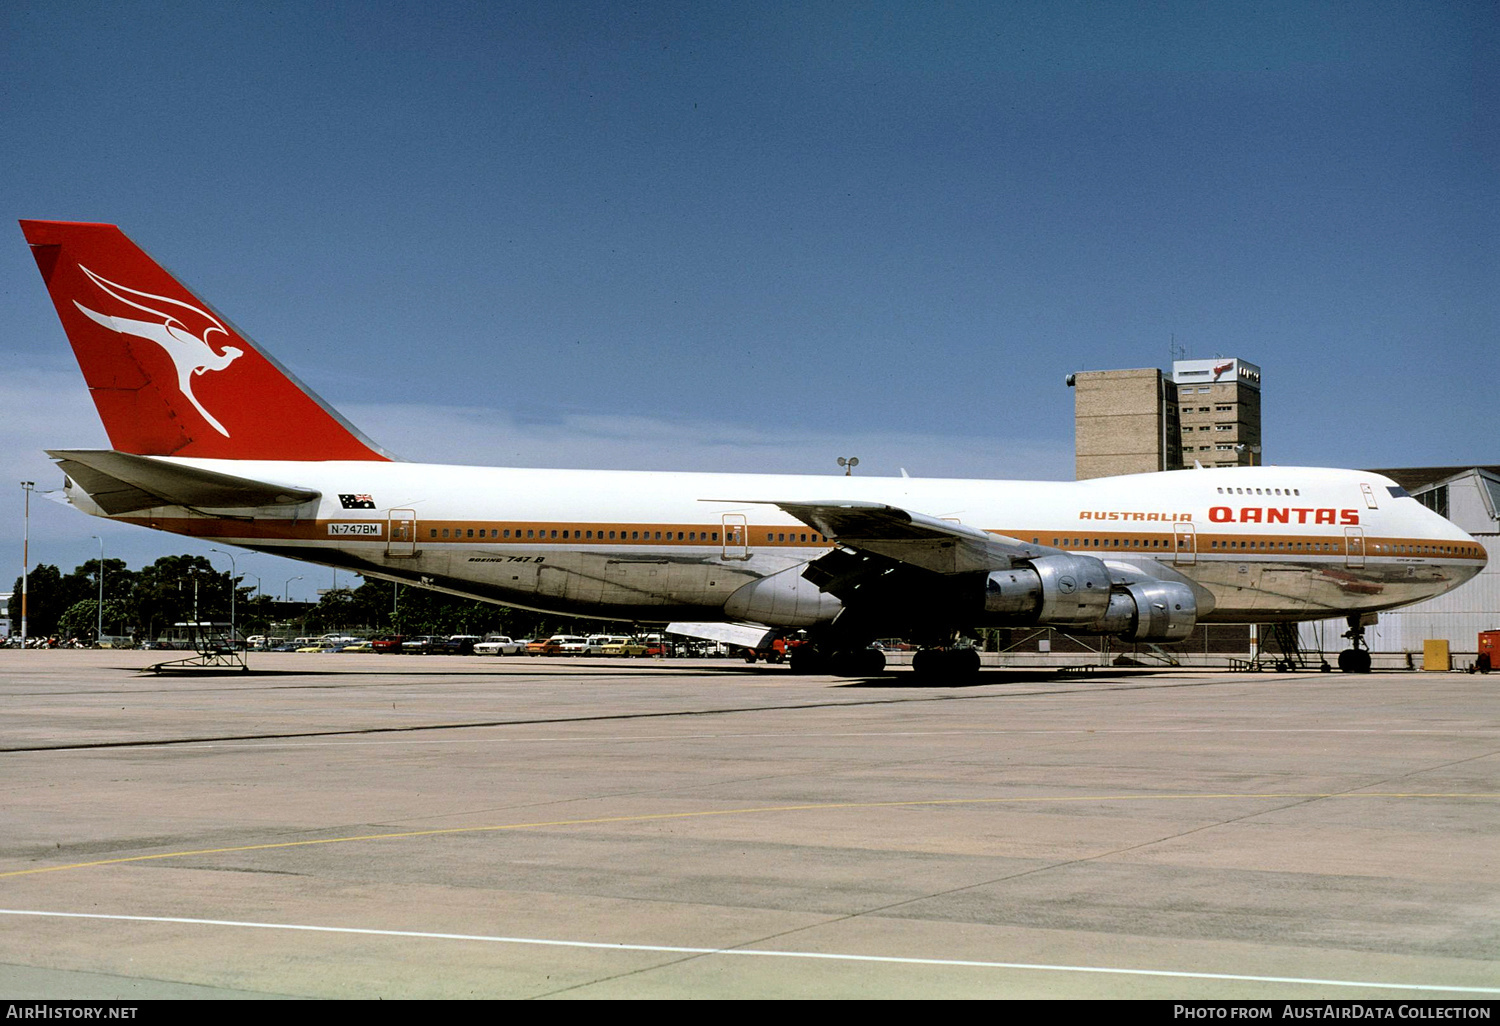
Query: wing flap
column 120, row 482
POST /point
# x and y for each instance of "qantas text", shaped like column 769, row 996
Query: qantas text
column 1282, row 515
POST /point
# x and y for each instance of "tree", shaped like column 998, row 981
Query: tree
column 81, row 620
column 145, row 602
column 163, row 593
column 48, row 595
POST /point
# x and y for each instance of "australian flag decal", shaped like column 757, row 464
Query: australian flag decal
column 356, row 502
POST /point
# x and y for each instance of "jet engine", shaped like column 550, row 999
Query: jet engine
column 1076, row 593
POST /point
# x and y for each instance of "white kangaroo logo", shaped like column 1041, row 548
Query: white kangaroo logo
column 190, row 354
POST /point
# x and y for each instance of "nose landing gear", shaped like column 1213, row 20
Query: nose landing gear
column 1355, row 659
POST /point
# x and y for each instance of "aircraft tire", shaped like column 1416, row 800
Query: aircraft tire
column 1354, row 660
column 806, row 659
column 857, row 662
column 935, row 664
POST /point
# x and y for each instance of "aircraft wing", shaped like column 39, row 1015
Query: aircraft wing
column 915, row 539
column 888, row 556
column 119, row 482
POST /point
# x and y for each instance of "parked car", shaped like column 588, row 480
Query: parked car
column 418, row 646
column 597, row 644
column 387, row 643
column 320, row 647
column 558, row 644
column 646, row 645
column 499, row 645
column 457, row 644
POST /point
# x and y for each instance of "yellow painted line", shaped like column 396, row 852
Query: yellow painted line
column 660, row 816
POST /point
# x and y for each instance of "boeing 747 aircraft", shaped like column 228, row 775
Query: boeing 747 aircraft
column 213, row 439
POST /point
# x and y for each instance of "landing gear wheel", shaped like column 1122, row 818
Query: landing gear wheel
column 807, row 659
column 1354, row 660
column 933, row 663
column 856, row 662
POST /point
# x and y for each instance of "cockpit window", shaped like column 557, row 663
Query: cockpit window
column 1397, row 492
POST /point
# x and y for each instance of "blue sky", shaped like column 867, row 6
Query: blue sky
column 757, row 236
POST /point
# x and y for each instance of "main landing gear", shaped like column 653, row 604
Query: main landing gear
column 1355, row 659
column 841, row 662
column 932, row 663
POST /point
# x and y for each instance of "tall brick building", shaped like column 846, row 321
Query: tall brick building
column 1138, row 421
column 1218, row 404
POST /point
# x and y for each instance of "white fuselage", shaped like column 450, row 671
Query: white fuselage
column 1270, row 543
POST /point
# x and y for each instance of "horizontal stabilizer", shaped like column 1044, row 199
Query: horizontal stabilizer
column 119, row 482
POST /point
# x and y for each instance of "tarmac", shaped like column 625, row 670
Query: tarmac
column 359, row 826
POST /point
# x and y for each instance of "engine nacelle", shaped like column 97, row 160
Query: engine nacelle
column 1075, row 593
column 1069, row 591
column 783, row 599
column 1150, row 611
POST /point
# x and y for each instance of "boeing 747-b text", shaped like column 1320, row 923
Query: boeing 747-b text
column 213, row 439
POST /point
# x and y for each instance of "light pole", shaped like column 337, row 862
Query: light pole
column 99, row 631
column 26, row 486
column 288, row 584
column 194, row 572
column 233, row 573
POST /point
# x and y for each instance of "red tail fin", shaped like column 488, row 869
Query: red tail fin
column 169, row 376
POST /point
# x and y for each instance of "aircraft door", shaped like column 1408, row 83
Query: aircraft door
column 1354, row 547
column 736, row 536
column 400, row 533
column 1184, row 543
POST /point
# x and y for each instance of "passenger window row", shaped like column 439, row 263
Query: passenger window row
column 618, row 534
column 572, row 534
